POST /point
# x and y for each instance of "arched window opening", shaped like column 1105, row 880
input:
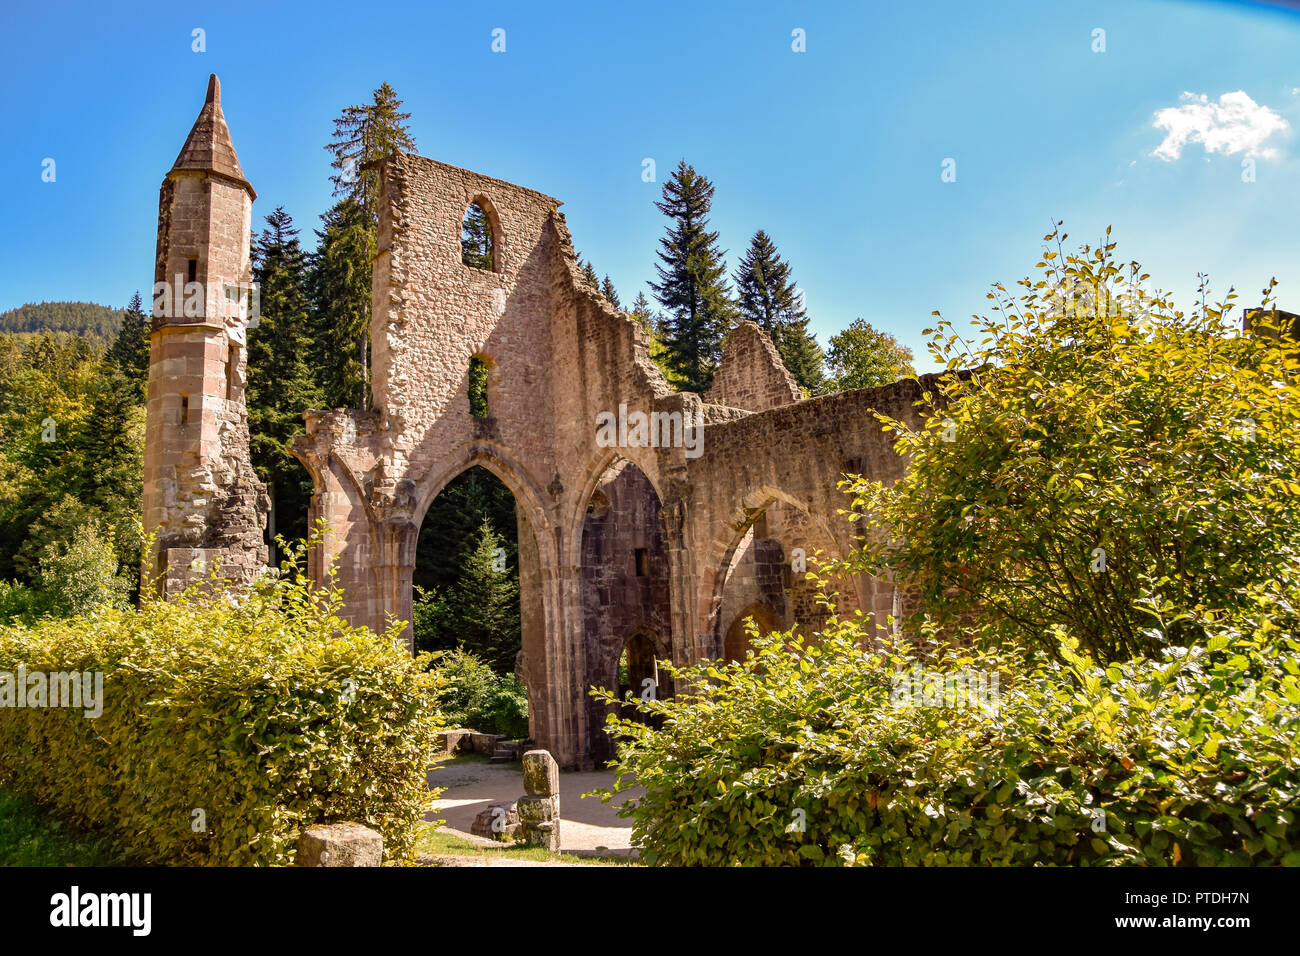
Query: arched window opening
column 478, row 387
column 476, row 238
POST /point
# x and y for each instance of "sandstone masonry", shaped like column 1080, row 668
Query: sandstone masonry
column 641, row 547
column 202, row 499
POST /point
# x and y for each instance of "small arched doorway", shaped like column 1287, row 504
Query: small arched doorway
column 736, row 642
column 638, row 671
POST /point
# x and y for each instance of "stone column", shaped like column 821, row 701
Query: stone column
column 539, row 808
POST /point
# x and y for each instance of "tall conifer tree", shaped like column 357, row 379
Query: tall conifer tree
column 766, row 294
column 129, row 351
column 281, row 383
column 610, row 293
column 363, row 137
column 340, row 291
column 692, row 284
column 643, row 313
column 484, row 602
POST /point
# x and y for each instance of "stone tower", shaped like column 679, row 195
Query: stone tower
column 202, row 499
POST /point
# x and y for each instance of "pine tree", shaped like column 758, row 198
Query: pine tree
column 364, row 135
column 642, row 312
column 281, row 382
column 110, row 455
column 129, row 352
column 476, row 239
column 589, row 272
column 340, row 314
column 451, row 524
column 484, row 603
column 692, row 282
column 607, row 289
column 766, row 294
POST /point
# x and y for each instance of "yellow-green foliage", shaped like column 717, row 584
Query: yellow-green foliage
column 1108, row 452
column 807, row 755
column 267, row 717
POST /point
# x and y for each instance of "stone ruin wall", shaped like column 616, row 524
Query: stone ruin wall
column 751, row 375
column 559, row 355
column 716, row 530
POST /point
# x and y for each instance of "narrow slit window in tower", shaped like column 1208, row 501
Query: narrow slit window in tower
column 232, row 363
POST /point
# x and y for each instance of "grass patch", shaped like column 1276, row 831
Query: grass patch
column 460, row 757
column 436, row 842
column 32, row 836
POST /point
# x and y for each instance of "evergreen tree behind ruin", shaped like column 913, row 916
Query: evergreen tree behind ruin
column 692, row 284
column 363, row 137
column 281, row 380
column 129, row 351
column 610, row 293
column 766, row 294
column 476, row 239
column 462, row 595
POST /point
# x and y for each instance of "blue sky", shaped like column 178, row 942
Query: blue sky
column 837, row 151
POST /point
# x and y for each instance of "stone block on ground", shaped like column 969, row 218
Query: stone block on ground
column 533, row 810
column 500, row 821
column 340, row 844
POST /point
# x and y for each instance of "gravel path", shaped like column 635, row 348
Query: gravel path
column 586, row 824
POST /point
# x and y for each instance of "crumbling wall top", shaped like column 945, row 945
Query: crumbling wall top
column 751, row 374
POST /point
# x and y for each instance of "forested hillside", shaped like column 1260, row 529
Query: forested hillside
column 96, row 322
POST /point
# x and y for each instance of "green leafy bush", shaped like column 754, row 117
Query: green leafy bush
column 81, row 574
column 811, row 756
column 20, row 603
column 478, row 697
column 1106, row 446
column 1148, row 709
column 227, row 726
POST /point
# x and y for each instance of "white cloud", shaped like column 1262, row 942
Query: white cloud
column 1234, row 124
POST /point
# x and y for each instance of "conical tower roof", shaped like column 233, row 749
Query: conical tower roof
column 208, row 147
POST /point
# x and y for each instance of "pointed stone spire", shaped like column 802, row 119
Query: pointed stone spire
column 208, row 147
